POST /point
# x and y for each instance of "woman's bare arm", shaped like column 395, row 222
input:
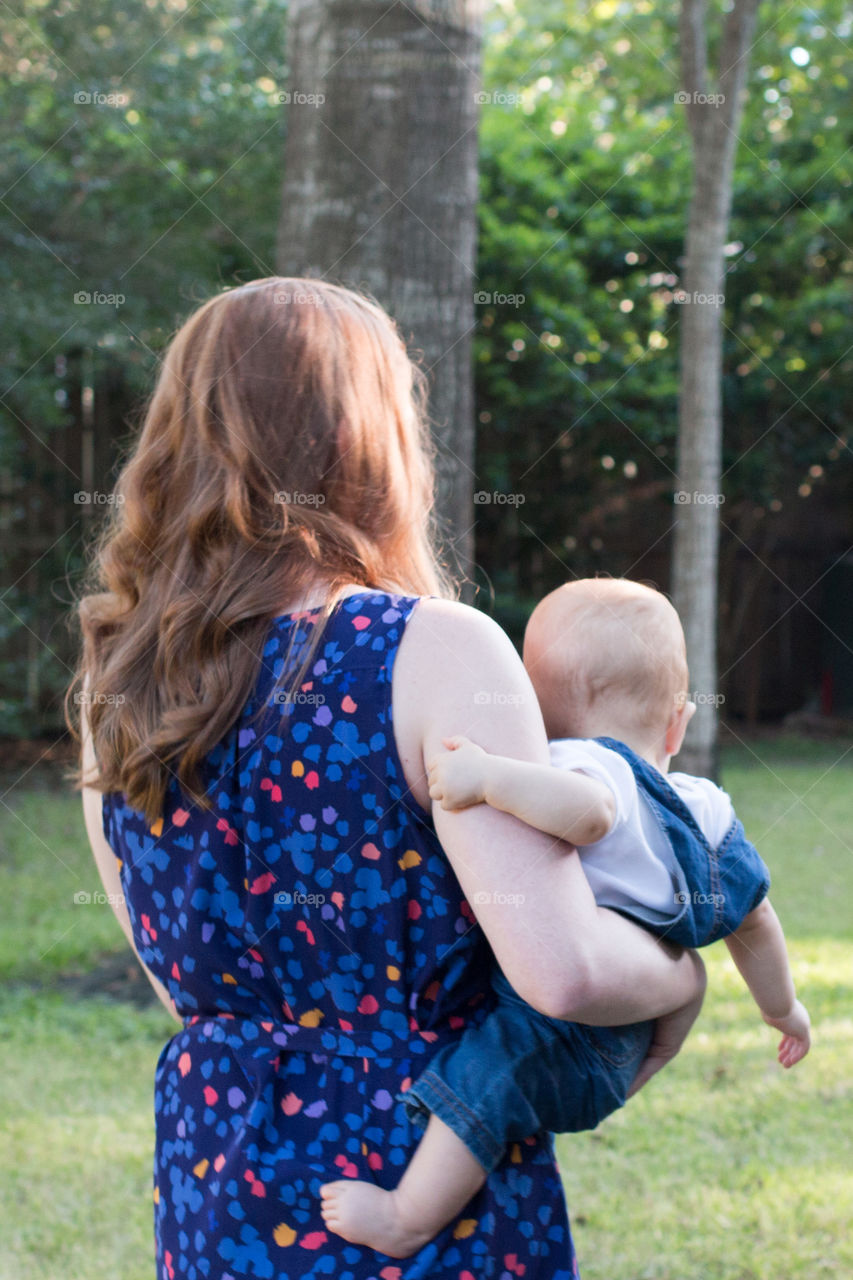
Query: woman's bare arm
column 106, row 863
column 457, row 673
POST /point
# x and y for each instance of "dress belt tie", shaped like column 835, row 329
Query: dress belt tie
column 258, row 1042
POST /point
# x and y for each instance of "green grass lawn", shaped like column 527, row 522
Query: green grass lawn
column 724, row 1168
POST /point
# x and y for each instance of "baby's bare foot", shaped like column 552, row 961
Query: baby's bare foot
column 365, row 1214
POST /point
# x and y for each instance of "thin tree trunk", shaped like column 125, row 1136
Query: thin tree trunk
column 380, row 191
column 713, row 115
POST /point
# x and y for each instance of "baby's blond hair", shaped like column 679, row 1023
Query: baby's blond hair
column 602, row 643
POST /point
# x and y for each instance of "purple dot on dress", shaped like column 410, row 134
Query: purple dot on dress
column 329, row 814
column 382, row 1099
column 207, row 930
column 246, row 736
column 307, row 823
column 323, row 716
column 236, row 1097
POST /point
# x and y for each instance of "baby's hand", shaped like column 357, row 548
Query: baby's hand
column 457, row 777
column 796, row 1040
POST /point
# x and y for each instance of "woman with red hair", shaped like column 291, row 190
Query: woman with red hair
column 270, row 653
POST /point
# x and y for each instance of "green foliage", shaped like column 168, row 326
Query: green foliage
column 584, row 185
column 140, row 164
column 170, row 190
column 144, row 137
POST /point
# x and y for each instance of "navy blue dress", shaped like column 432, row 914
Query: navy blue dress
column 318, row 948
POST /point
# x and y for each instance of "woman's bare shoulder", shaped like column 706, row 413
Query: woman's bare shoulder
column 449, row 629
column 459, row 672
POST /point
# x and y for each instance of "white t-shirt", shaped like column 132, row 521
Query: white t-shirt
column 630, row 866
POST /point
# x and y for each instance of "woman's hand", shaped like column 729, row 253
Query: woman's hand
column 671, row 1032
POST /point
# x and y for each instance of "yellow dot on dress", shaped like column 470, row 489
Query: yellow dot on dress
column 411, row 858
column 393, row 972
column 464, row 1228
column 201, row 1168
column 284, row 1235
column 311, row 1018
column 297, row 769
column 157, row 827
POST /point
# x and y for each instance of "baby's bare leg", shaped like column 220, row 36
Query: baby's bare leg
column 441, row 1178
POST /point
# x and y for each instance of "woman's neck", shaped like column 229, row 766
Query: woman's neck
column 317, row 595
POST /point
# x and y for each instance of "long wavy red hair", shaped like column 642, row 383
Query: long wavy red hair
column 285, row 449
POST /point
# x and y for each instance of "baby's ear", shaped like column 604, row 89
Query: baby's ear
column 681, row 716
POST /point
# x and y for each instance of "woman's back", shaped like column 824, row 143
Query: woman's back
column 316, row 941
column 311, row 929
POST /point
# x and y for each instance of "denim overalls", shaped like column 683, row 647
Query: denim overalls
column 714, row 889
column 520, row 1072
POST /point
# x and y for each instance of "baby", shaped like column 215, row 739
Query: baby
column 607, row 661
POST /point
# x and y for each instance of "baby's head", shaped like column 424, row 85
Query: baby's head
column 607, row 658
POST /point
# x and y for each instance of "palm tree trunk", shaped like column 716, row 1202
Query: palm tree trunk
column 713, row 117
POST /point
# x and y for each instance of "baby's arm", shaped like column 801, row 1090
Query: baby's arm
column 565, row 804
column 758, row 949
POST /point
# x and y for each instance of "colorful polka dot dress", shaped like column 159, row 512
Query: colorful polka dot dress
column 318, row 948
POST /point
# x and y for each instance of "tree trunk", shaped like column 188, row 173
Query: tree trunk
column 713, row 117
column 380, row 191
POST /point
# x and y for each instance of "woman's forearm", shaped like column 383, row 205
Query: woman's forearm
column 562, row 953
column 633, row 976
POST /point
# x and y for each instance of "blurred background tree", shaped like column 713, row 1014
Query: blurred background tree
column 713, row 90
column 165, row 185
column 380, row 193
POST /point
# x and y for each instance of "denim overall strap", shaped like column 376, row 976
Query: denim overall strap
column 721, row 885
